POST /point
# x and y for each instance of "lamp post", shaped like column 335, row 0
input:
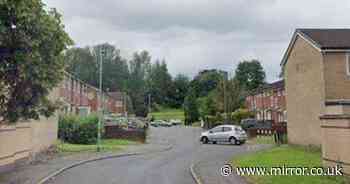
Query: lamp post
column 149, row 103
column 101, row 53
column 225, row 76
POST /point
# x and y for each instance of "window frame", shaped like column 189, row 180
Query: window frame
column 227, row 129
column 217, row 129
column 347, row 62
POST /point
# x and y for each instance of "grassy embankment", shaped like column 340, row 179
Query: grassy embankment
column 290, row 156
column 168, row 114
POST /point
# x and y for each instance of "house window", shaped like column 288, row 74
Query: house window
column 268, row 115
column 348, row 64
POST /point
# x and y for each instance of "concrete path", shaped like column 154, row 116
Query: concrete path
column 31, row 174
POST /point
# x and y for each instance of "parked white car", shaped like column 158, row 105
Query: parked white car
column 175, row 122
column 225, row 133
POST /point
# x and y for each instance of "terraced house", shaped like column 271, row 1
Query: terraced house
column 316, row 70
column 268, row 102
column 81, row 98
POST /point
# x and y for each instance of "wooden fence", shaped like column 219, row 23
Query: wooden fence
column 116, row 132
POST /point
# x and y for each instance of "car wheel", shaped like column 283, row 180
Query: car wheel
column 214, row 142
column 205, row 140
column 234, row 141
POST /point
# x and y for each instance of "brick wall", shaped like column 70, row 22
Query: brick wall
column 336, row 79
column 305, row 88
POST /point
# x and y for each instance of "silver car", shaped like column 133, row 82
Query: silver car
column 225, row 133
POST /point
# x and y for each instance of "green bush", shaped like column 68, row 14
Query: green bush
column 78, row 130
column 67, row 125
column 240, row 114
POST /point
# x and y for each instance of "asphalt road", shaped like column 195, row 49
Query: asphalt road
column 169, row 167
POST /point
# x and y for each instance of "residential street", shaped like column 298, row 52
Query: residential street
column 166, row 167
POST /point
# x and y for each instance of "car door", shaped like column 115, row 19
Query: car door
column 214, row 133
column 225, row 135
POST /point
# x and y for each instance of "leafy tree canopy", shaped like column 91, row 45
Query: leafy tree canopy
column 250, row 74
column 85, row 62
column 32, row 39
column 159, row 83
column 180, row 89
column 139, row 67
column 206, row 81
column 191, row 108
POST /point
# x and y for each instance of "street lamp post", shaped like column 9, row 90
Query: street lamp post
column 225, row 76
column 149, row 103
column 101, row 53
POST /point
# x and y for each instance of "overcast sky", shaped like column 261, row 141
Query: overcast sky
column 192, row 35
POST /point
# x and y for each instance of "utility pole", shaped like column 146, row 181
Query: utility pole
column 225, row 99
column 149, row 103
column 124, row 104
column 101, row 53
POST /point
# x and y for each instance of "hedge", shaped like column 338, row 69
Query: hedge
column 78, row 130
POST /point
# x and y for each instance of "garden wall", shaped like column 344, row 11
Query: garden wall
column 24, row 140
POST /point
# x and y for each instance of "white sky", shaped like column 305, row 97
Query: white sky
column 192, row 35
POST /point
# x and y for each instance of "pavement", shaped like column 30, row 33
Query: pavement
column 208, row 169
column 32, row 173
column 154, row 166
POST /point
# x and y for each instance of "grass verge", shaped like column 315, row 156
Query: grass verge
column 168, row 114
column 106, row 145
column 289, row 156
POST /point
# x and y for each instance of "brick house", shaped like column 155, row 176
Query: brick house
column 81, row 98
column 74, row 94
column 118, row 102
column 316, row 70
column 268, row 102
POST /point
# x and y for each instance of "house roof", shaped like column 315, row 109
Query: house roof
column 324, row 40
column 269, row 86
column 277, row 84
column 328, row 38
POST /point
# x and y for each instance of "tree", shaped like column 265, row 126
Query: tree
column 139, row 66
column 159, row 83
column 190, row 108
column 33, row 39
column 179, row 91
column 250, row 74
column 207, row 105
column 84, row 63
column 206, row 81
column 233, row 94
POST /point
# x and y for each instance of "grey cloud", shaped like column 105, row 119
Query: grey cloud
column 197, row 34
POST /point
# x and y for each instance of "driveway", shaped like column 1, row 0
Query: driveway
column 169, row 167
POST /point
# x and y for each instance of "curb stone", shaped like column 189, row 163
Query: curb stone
column 195, row 175
column 59, row 171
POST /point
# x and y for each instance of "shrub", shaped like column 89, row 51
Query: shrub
column 240, row 114
column 78, row 130
column 67, row 125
